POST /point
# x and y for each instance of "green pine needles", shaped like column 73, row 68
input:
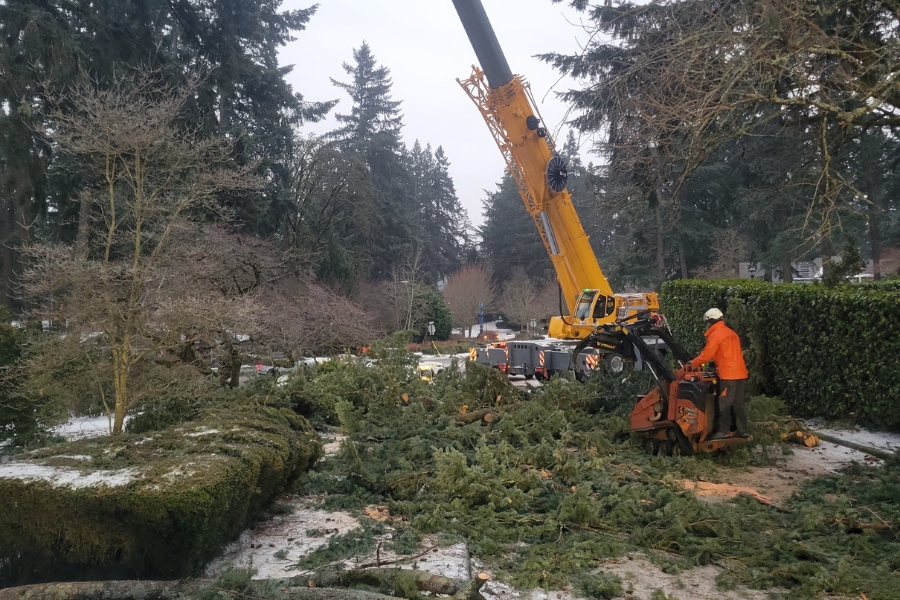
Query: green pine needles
column 554, row 484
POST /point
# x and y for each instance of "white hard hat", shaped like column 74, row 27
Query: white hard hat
column 713, row 314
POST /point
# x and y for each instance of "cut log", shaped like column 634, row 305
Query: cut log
column 104, row 590
column 379, row 578
column 804, row 438
column 762, row 500
column 487, row 415
column 854, row 446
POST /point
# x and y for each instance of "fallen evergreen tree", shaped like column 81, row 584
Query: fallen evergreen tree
column 552, row 485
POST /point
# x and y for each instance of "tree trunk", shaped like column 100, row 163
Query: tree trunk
column 121, row 354
column 235, row 367
column 660, row 242
column 787, row 270
column 827, row 249
column 7, row 254
column 682, row 261
column 83, row 236
column 873, row 214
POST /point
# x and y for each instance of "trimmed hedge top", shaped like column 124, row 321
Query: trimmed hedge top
column 175, row 497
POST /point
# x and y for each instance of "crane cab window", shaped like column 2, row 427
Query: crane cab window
column 584, row 305
column 604, row 307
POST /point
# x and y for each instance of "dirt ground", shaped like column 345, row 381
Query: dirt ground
column 274, row 547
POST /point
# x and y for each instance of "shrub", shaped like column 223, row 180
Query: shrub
column 24, row 421
column 826, row 352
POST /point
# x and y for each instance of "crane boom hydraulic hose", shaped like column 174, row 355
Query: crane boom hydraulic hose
column 484, row 42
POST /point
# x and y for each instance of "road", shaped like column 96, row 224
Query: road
column 444, row 360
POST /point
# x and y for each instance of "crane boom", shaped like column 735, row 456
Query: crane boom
column 506, row 104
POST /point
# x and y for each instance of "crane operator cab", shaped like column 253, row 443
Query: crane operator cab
column 593, row 308
column 594, row 305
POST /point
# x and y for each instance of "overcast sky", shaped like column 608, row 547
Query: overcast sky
column 425, row 47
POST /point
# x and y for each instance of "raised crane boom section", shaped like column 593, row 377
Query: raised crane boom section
column 508, row 108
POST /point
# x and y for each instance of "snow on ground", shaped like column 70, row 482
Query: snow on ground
column 84, row 427
column 641, row 577
column 828, row 457
column 333, row 443
column 64, row 477
column 273, row 546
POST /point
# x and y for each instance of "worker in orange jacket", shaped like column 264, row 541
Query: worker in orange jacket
column 724, row 348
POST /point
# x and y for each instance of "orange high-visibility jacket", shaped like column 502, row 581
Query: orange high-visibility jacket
column 724, row 347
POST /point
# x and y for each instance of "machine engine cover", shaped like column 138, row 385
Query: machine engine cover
column 696, row 392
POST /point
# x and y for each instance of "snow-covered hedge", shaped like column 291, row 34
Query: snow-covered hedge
column 155, row 505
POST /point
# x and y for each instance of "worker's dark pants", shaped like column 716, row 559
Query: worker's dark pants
column 731, row 404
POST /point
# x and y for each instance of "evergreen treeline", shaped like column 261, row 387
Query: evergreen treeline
column 705, row 158
column 357, row 203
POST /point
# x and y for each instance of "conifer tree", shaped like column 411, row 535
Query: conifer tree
column 244, row 95
column 509, row 237
column 371, row 131
column 438, row 210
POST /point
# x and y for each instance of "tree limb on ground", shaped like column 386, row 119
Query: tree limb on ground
column 763, row 500
column 865, row 449
column 382, row 578
column 178, row 590
column 488, row 415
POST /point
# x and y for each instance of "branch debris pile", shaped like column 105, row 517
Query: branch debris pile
column 553, row 484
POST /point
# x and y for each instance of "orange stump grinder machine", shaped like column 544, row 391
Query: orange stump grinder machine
column 678, row 415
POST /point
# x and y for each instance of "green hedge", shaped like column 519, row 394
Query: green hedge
column 833, row 353
column 195, row 488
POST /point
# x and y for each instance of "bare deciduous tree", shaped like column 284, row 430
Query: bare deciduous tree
column 130, row 287
column 400, row 300
column 518, row 300
column 470, row 287
column 681, row 78
column 728, row 250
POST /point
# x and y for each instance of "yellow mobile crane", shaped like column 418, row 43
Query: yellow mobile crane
column 508, row 108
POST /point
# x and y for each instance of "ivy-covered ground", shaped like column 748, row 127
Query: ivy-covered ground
column 550, row 491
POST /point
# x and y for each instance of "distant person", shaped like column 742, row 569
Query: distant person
column 723, row 346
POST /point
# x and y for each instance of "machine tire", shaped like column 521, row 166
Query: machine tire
column 651, row 446
column 529, row 376
column 665, row 448
column 617, row 364
column 681, row 446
